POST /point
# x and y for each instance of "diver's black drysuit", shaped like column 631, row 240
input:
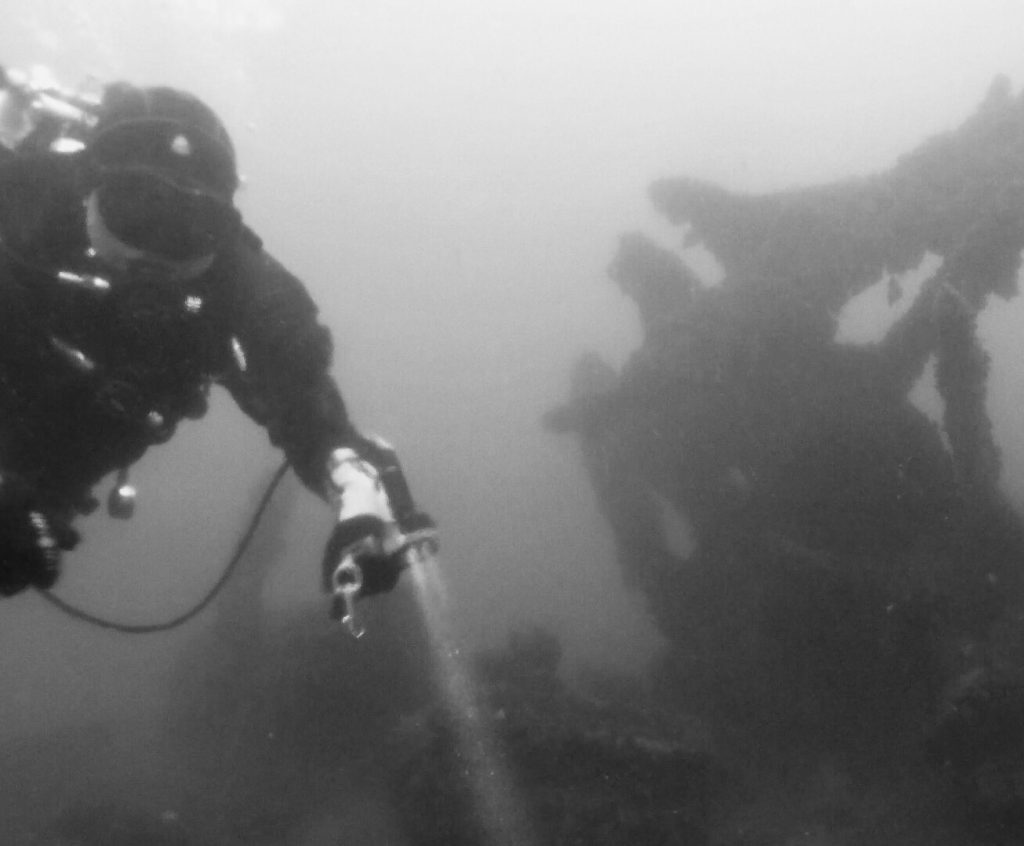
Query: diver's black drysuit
column 90, row 378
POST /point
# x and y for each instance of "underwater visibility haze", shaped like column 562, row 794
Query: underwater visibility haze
column 697, row 326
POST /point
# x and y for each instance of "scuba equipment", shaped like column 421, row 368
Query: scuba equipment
column 378, row 527
column 134, row 286
column 370, row 564
column 37, row 114
column 229, row 570
column 160, row 160
column 151, row 213
column 163, row 168
column 352, row 569
column 370, row 479
column 86, row 281
column 31, row 538
column 121, row 500
column 175, row 148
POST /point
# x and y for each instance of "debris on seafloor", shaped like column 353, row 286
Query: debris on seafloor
column 586, row 769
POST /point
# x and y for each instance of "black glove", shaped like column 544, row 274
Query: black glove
column 364, row 538
column 31, row 541
column 377, row 547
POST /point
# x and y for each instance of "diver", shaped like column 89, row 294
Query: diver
column 129, row 284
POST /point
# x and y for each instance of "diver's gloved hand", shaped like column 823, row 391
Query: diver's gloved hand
column 377, row 520
column 373, row 546
column 377, row 548
column 31, row 541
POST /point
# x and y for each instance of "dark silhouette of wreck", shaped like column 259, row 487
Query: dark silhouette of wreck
column 850, row 601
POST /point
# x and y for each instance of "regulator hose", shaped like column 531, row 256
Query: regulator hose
column 229, row 570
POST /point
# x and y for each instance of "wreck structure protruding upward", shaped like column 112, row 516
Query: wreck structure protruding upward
column 850, row 557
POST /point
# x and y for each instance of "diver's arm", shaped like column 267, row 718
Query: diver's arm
column 281, row 378
column 281, row 361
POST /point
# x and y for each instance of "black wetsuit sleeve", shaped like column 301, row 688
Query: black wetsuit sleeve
column 279, row 370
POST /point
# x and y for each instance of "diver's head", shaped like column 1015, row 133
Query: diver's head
column 160, row 182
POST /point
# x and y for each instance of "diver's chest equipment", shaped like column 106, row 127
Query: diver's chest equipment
column 127, row 355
